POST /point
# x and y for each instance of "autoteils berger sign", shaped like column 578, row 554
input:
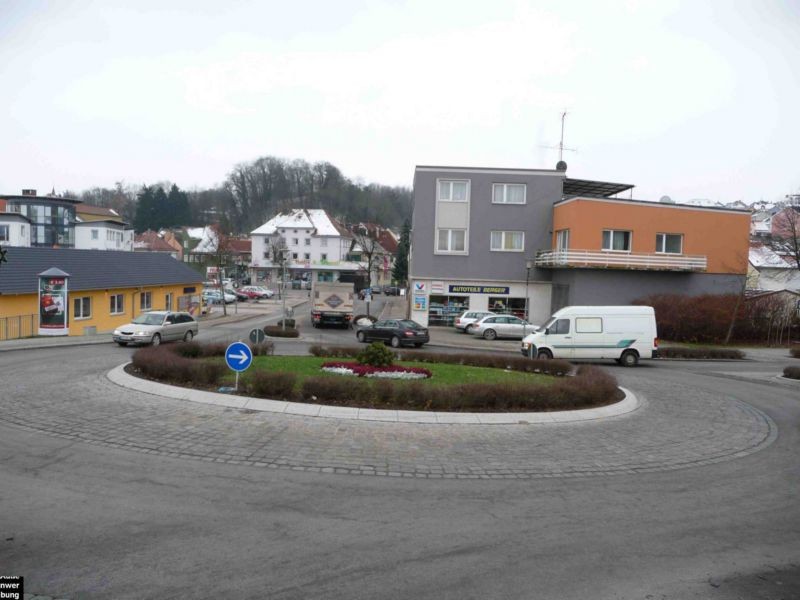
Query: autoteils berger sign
column 479, row 289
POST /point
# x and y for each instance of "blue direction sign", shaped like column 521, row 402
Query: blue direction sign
column 238, row 356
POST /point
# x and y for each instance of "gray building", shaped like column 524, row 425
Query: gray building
column 530, row 241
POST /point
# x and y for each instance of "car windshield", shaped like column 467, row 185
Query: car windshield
column 409, row 324
column 148, row 319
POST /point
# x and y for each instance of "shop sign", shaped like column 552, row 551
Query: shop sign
column 53, row 304
column 420, row 287
column 437, row 287
column 479, row 289
column 420, row 302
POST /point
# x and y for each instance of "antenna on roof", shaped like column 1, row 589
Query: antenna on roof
column 561, row 166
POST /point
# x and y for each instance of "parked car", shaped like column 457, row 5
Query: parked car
column 240, row 296
column 397, row 332
column 155, row 327
column 626, row 334
column 266, row 292
column 391, row 290
column 500, row 326
column 376, row 289
column 215, row 297
column 465, row 319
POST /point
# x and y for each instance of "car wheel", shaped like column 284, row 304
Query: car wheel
column 187, row 337
column 156, row 340
column 629, row 358
column 395, row 341
column 123, row 343
column 361, row 337
column 490, row 334
column 544, row 355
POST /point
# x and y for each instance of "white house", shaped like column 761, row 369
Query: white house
column 768, row 270
column 15, row 230
column 316, row 247
column 103, row 235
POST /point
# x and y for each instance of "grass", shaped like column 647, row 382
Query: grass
column 443, row 374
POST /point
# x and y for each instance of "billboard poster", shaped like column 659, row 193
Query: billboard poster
column 420, row 302
column 53, row 304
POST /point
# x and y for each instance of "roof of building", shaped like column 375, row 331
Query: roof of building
column 649, row 203
column 240, row 246
column 92, row 269
column 603, row 189
column 104, row 222
column 100, row 211
column 12, row 216
column 151, row 241
column 16, row 197
column 303, row 218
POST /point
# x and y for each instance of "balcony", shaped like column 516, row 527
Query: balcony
column 640, row 261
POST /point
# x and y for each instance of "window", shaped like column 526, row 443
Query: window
column 508, row 241
column 308, row 241
column 266, row 254
column 588, row 325
column 669, row 243
column 146, row 301
column 294, row 255
column 619, row 241
column 323, row 242
column 295, row 241
column 117, row 304
column 324, row 257
column 82, row 308
column 508, row 193
column 306, row 256
column 451, row 240
column 4, row 233
column 560, row 327
column 453, row 191
column 562, row 240
column 95, row 234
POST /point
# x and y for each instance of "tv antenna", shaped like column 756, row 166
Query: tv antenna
column 560, row 146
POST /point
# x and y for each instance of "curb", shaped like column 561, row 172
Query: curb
column 118, row 376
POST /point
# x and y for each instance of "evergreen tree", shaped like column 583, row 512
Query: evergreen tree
column 179, row 211
column 400, row 269
column 162, row 211
column 145, row 210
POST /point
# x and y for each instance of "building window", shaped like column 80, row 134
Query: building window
column 82, row 308
column 508, row 241
column 295, row 241
column 508, row 193
column 453, row 191
column 4, row 233
column 562, row 240
column 307, row 256
column 146, row 301
column 266, row 254
column 308, row 241
column 294, row 255
column 324, row 257
column 619, row 241
column 117, row 304
column 669, row 243
column 95, row 234
column 451, row 240
column 323, row 242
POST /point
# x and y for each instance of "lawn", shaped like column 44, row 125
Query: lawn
column 443, row 374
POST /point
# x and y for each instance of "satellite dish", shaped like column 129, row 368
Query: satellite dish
column 561, row 166
column 666, row 200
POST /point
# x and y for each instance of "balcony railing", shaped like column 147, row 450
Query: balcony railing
column 595, row 259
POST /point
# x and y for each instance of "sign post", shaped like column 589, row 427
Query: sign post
column 257, row 336
column 238, row 357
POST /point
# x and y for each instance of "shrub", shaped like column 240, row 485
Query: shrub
column 334, row 351
column 265, row 384
column 333, row 390
column 376, row 355
column 699, row 353
column 265, row 348
column 278, row 331
column 290, row 323
column 795, row 351
column 792, row 372
column 164, row 364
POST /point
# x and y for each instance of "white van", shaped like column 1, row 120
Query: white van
column 624, row 333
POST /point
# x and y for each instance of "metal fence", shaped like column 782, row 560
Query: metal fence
column 21, row 326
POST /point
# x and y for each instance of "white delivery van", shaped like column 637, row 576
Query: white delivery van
column 625, row 333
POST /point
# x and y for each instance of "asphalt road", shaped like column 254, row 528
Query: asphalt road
column 83, row 520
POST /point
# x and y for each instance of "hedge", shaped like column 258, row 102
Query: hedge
column 792, row 372
column 162, row 363
column 699, row 353
column 278, row 331
column 795, row 351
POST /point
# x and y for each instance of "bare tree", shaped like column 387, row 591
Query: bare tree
column 785, row 236
column 371, row 252
column 279, row 256
column 221, row 250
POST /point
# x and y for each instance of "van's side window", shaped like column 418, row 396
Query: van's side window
column 560, row 326
column 588, row 325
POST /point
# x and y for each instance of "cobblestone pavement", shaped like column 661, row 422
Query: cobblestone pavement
column 675, row 428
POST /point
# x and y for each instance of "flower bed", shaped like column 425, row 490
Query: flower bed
column 387, row 372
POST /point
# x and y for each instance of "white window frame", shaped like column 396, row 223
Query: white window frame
column 323, row 242
column 439, row 183
column 502, row 247
column 562, row 235
column 95, row 234
column 450, row 240
column 611, row 238
column 145, row 305
column 307, row 241
column 119, row 304
column 495, row 186
column 661, row 248
column 81, row 300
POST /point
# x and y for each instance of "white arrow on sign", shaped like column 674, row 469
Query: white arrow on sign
column 241, row 356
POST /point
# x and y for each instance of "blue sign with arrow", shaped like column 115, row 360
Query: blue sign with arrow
column 238, row 356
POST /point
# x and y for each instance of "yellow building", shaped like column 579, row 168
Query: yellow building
column 89, row 291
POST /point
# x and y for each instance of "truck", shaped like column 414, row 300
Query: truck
column 332, row 303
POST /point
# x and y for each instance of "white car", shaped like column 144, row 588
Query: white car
column 501, row 326
column 465, row 319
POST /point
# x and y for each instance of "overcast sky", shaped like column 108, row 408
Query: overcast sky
column 695, row 99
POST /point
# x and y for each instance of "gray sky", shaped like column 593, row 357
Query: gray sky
column 692, row 99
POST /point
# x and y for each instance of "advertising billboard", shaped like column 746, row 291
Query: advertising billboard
column 53, row 304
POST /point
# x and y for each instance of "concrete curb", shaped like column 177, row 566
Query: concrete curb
column 118, row 376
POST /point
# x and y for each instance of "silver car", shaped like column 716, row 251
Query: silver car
column 155, row 327
column 465, row 319
column 501, row 326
